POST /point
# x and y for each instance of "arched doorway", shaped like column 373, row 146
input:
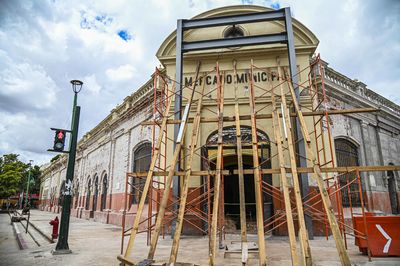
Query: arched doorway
column 104, row 193
column 347, row 155
column 88, row 188
column 95, row 192
column 392, row 192
column 231, row 181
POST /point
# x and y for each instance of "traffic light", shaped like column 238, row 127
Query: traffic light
column 59, row 140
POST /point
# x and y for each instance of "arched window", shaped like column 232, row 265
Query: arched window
column 347, row 155
column 89, row 187
column 233, row 32
column 104, row 193
column 95, row 192
column 141, row 163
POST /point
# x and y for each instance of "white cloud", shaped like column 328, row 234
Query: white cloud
column 43, row 45
column 124, row 72
column 91, row 84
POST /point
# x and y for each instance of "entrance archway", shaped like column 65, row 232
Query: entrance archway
column 231, row 181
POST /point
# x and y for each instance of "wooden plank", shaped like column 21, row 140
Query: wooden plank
column 257, row 175
column 149, row 177
column 185, row 189
column 344, row 257
column 269, row 116
column 217, row 179
column 303, row 234
column 285, row 184
column 167, row 185
column 242, row 199
column 340, row 169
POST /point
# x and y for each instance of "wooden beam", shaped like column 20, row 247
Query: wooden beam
column 269, row 116
column 285, row 184
column 185, row 189
column 217, row 179
column 317, row 174
column 149, row 177
column 339, row 169
column 242, row 198
column 257, row 176
column 167, row 186
column 303, row 234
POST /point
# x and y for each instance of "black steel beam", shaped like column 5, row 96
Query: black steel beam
column 233, row 20
column 300, row 146
column 234, row 42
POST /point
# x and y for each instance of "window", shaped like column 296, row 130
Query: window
column 104, row 193
column 233, row 32
column 347, row 155
column 141, row 163
column 95, row 192
column 88, row 195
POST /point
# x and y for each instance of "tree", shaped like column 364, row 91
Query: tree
column 12, row 171
column 14, row 175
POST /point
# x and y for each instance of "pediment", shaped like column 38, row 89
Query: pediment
column 304, row 38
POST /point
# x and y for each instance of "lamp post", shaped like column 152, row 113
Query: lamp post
column 62, row 243
column 27, row 184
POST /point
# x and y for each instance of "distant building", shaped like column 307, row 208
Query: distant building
column 120, row 144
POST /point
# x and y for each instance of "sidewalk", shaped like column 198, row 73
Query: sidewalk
column 94, row 243
column 91, row 243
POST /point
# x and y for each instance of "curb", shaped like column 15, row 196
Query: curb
column 41, row 232
column 20, row 239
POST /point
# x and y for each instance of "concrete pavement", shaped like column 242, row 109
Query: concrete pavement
column 94, row 243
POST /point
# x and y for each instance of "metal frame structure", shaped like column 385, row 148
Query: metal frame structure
column 284, row 37
column 315, row 205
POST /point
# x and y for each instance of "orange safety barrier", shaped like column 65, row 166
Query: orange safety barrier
column 383, row 235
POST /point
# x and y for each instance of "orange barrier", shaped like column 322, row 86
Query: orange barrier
column 383, row 235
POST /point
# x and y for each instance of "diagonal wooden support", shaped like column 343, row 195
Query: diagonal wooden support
column 183, row 200
column 257, row 175
column 303, row 234
column 167, row 185
column 344, row 256
column 146, row 187
column 242, row 199
column 217, row 181
column 285, row 184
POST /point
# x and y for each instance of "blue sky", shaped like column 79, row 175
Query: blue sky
column 111, row 46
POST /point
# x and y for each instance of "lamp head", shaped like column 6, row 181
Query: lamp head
column 76, row 85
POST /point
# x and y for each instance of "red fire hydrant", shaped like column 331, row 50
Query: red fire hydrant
column 54, row 223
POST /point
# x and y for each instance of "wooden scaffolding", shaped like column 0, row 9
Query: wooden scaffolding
column 155, row 184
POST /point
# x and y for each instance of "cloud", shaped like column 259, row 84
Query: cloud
column 124, row 72
column 45, row 44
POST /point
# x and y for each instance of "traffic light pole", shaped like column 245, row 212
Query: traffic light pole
column 62, row 244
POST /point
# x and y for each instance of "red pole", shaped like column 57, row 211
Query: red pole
column 363, row 213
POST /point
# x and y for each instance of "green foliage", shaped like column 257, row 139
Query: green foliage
column 14, row 175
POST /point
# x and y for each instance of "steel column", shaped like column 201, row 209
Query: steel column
column 178, row 113
column 301, row 150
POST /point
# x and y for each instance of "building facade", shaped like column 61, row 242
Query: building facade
column 121, row 143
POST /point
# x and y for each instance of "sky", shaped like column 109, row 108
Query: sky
column 111, row 46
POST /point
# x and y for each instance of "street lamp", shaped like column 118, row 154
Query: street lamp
column 62, row 243
column 27, row 184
